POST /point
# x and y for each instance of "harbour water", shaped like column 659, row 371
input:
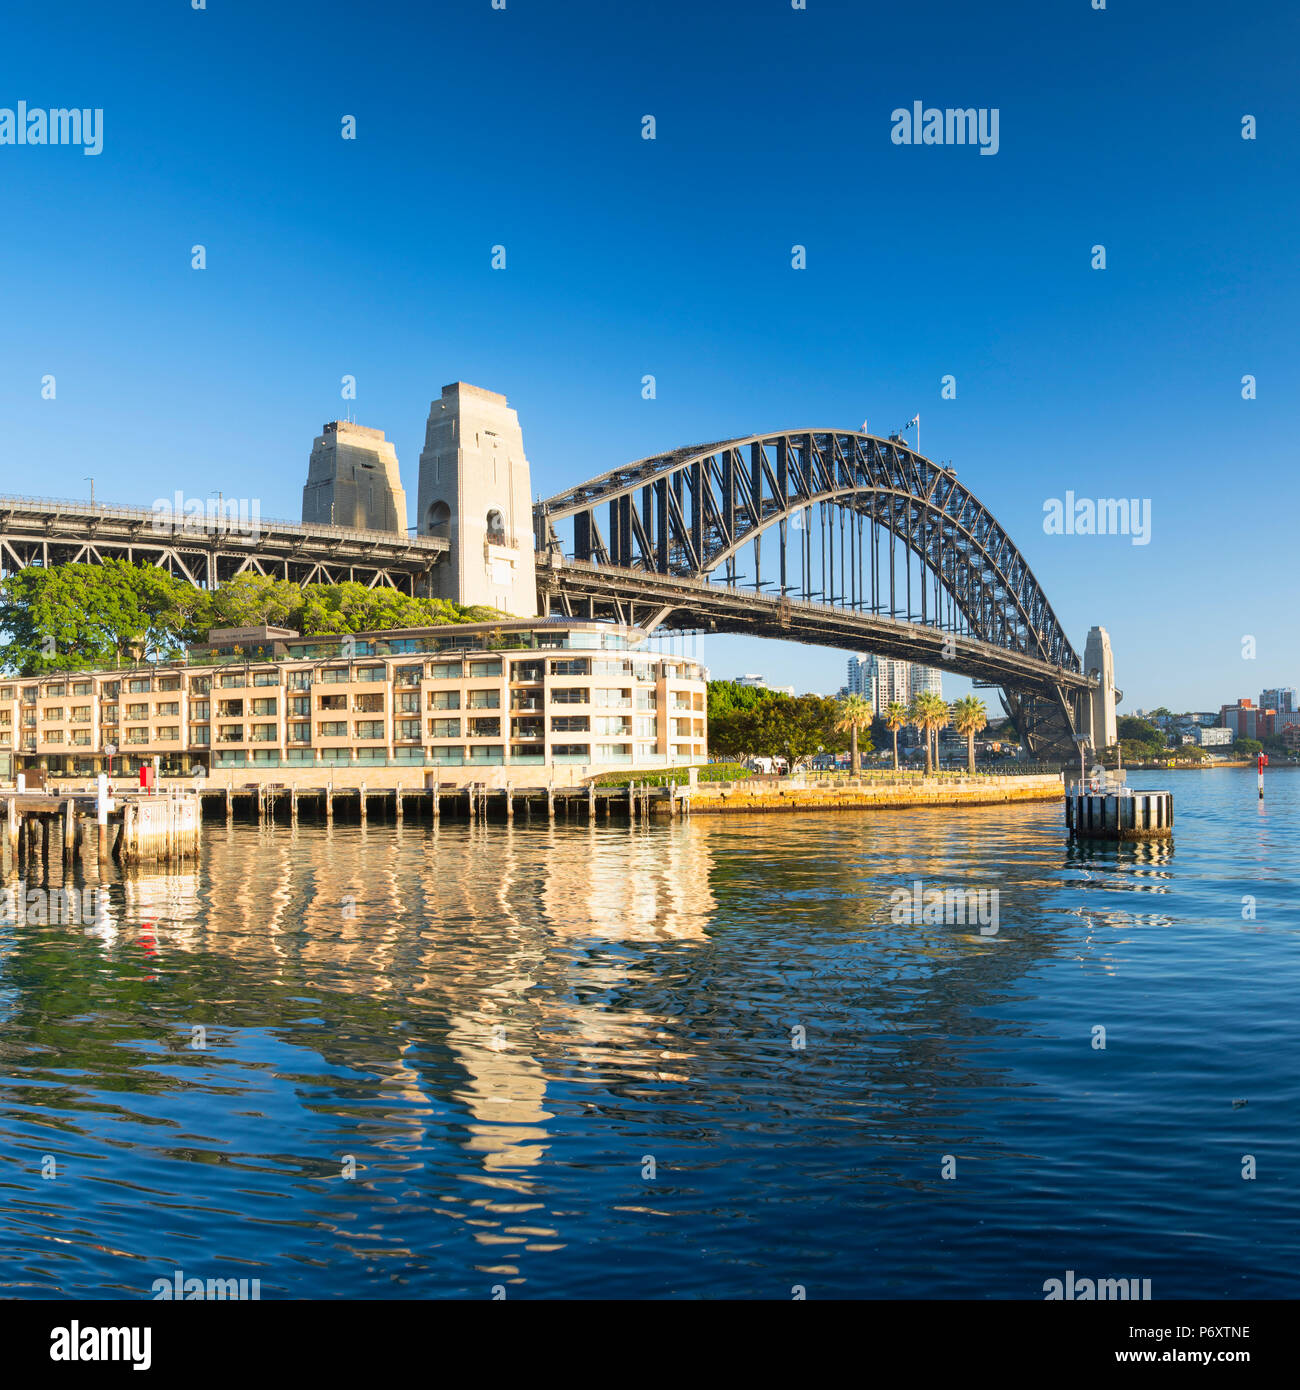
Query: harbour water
column 696, row 1059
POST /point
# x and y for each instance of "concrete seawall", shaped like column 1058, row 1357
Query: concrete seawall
column 892, row 794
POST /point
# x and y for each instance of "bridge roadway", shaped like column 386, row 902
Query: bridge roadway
column 209, row 551
column 646, row 599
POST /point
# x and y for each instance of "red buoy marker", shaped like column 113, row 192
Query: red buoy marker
column 1263, row 763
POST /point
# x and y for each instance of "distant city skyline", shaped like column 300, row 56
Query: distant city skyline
column 188, row 306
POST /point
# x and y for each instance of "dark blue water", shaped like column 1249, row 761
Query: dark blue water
column 510, row 1029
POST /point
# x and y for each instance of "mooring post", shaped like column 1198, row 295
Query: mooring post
column 397, row 804
column 591, row 801
column 363, row 803
column 510, row 805
column 631, row 801
column 329, row 803
column 550, row 802
column 11, row 829
column 293, row 804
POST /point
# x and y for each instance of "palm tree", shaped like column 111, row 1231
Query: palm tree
column 929, row 714
column 895, row 717
column 855, row 713
column 969, row 717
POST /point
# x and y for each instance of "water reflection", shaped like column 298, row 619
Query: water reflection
column 499, row 1022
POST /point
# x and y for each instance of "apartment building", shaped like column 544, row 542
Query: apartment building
column 533, row 692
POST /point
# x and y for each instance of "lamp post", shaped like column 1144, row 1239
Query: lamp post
column 91, row 481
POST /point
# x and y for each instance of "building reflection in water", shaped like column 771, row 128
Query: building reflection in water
column 465, row 986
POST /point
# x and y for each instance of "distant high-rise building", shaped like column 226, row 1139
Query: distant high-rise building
column 926, row 680
column 886, row 681
column 863, row 671
column 353, row 480
column 1281, row 699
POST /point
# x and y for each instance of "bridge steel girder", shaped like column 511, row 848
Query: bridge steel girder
column 702, row 504
column 38, row 531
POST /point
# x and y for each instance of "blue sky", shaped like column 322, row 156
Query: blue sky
column 672, row 257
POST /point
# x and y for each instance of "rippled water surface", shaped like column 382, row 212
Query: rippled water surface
column 563, row 1060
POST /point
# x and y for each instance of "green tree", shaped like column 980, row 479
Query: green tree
column 930, row 714
column 896, row 717
column 969, row 717
column 68, row 617
column 855, row 713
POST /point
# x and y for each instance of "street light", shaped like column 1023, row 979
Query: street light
column 91, row 481
column 1082, row 741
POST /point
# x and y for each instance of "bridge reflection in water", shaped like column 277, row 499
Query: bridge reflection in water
column 499, row 1022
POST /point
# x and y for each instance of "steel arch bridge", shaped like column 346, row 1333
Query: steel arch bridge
column 877, row 548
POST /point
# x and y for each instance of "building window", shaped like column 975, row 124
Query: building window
column 261, row 707
column 265, row 733
column 333, row 728
column 227, row 733
column 334, row 675
column 571, row 750
column 370, row 673
column 444, row 728
column 229, row 680
column 485, row 728
column 200, row 734
column 168, row 707
column 614, row 699
column 58, row 691
column 408, row 730
column 570, row 723
column 300, row 704
column 368, row 704
column 52, row 736
column 78, row 688
column 200, row 685
column 200, row 709
column 530, row 671
column 370, row 728
column 168, row 733
column 169, row 682
column 570, row 666
column 137, row 735
column 266, row 678
column 225, row 709
column 299, row 733
column 408, row 701
column 611, row 726
column 332, row 701
column 408, row 675
column 445, row 671
column 55, row 714
column 444, row 699
column 479, row 669
column 570, row 695
column 483, row 699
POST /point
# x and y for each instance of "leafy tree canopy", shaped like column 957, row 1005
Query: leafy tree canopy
column 70, row 617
